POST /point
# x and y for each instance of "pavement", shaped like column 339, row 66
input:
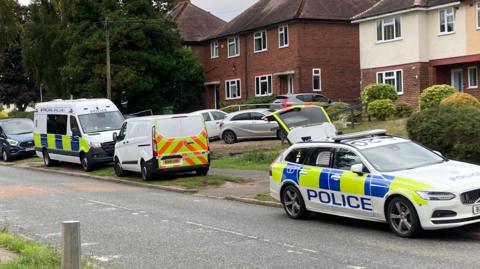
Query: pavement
column 133, row 227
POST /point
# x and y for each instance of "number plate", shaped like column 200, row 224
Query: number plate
column 172, row 161
column 476, row 209
column 30, row 149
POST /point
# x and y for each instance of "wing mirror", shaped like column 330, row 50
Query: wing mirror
column 76, row 132
column 358, row 169
column 115, row 136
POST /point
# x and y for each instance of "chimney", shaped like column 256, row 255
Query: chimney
column 420, row 3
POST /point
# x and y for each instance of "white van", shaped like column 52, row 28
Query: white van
column 162, row 144
column 76, row 131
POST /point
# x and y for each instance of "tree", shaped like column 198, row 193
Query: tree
column 10, row 27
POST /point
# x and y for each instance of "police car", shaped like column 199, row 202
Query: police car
column 373, row 176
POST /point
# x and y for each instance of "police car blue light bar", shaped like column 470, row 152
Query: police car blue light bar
column 372, row 133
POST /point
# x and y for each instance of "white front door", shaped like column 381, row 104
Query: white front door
column 457, row 79
column 290, row 84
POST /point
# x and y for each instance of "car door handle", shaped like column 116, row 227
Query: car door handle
column 335, row 177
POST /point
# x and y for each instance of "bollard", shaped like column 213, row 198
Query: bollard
column 71, row 245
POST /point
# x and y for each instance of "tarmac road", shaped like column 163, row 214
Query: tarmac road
column 130, row 227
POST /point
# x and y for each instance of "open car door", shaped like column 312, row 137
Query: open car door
column 304, row 123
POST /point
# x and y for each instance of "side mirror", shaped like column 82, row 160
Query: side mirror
column 357, row 169
column 438, row 153
column 115, row 136
column 76, row 132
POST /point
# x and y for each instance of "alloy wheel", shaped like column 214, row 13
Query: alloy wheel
column 292, row 202
column 401, row 218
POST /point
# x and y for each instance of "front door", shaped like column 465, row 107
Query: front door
column 290, row 84
column 457, row 79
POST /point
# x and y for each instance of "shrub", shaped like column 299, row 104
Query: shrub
column 374, row 92
column 454, row 131
column 3, row 115
column 403, row 110
column 259, row 100
column 432, row 96
column 336, row 107
column 381, row 109
column 461, row 99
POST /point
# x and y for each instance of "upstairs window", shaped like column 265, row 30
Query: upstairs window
column 233, row 46
column 317, row 79
column 232, row 89
column 472, row 77
column 214, row 49
column 389, row 29
column 283, row 36
column 260, row 41
column 263, row 86
column 394, row 78
column 447, row 21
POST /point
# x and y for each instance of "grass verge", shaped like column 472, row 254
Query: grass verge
column 396, row 127
column 252, row 160
column 265, row 197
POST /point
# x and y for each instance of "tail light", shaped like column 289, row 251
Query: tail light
column 286, row 103
column 270, row 170
column 154, row 142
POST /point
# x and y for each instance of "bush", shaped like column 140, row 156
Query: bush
column 3, row 115
column 374, row 92
column 21, row 114
column 259, row 100
column 335, row 108
column 454, row 131
column 381, row 109
column 460, row 100
column 432, row 96
column 403, row 110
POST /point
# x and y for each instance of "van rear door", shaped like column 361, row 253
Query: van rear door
column 181, row 142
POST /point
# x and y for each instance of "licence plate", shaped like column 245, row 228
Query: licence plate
column 476, row 209
column 30, row 149
column 172, row 161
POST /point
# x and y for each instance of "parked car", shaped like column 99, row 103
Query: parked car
column 166, row 144
column 16, row 138
column 283, row 101
column 248, row 124
column 212, row 118
column 76, row 131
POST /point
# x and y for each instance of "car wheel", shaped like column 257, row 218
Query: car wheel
column 293, row 203
column 86, row 165
column 403, row 218
column 146, row 173
column 46, row 159
column 5, row 156
column 202, row 172
column 118, row 168
column 229, row 137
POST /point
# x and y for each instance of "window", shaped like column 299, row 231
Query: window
column 263, row 86
column 473, row 77
column 75, row 130
column 214, row 49
column 243, row 116
column 317, row 79
column 300, row 156
column 123, row 132
column 260, row 41
column 394, row 78
column 232, row 89
column 447, row 21
column 389, row 29
column 256, row 116
column 233, row 46
column 57, row 124
column 345, row 159
column 218, row 115
column 320, row 157
column 478, row 15
column 206, row 117
column 283, row 36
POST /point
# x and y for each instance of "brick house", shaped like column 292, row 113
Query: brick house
column 278, row 47
column 413, row 44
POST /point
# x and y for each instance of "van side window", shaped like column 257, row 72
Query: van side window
column 320, row 157
column 299, row 156
column 74, row 126
column 218, row 116
column 57, row 124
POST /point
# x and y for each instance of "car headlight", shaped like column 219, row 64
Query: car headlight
column 12, row 142
column 95, row 145
column 435, row 195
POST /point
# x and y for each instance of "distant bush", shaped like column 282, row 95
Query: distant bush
column 434, row 95
column 403, row 110
column 453, row 131
column 21, row 114
column 259, row 100
column 381, row 109
column 335, row 108
column 374, row 92
column 3, row 115
column 461, row 100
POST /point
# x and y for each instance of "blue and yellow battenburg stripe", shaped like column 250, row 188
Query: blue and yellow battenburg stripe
column 61, row 142
column 368, row 185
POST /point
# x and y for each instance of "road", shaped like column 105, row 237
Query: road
column 130, row 227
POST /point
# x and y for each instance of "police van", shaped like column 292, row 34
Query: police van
column 76, row 131
column 377, row 177
column 162, row 144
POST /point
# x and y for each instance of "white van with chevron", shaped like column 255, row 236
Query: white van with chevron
column 76, row 131
column 162, row 144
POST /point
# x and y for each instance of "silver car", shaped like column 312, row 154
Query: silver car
column 248, row 124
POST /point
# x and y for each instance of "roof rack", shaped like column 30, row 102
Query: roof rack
column 366, row 134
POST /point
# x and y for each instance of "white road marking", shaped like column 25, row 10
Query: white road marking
column 8, row 211
column 355, row 267
column 111, row 205
column 106, row 258
column 89, row 244
column 50, row 235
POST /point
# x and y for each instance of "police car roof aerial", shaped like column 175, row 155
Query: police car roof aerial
column 352, row 136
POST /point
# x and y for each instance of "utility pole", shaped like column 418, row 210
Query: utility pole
column 109, row 76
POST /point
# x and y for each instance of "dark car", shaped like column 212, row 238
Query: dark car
column 284, row 101
column 16, row 138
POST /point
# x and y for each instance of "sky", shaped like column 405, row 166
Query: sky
column 225, row 9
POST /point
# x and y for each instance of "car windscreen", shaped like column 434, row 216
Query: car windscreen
column 180, row 127
column 400, row 156
column 303, row 116
column 17, row 127
column 101, row 122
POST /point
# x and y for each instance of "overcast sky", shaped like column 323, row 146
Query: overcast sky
column 225, row 9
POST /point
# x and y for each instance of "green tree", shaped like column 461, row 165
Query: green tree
column 10, row 26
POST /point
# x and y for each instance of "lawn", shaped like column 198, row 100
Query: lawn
column 265, row 197
column 396, row 127
column 251, row 160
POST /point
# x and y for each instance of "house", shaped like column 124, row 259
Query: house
column 413, row 44
column 279, row 47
